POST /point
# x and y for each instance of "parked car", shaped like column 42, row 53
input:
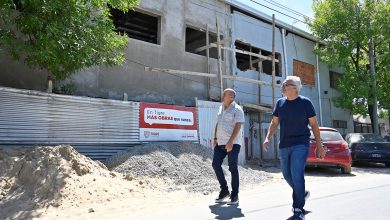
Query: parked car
column 337, row 151
column 368, row 147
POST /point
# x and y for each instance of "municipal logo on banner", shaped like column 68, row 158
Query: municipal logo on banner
column 159, row 122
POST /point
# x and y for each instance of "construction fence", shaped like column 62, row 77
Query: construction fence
column 97, row 128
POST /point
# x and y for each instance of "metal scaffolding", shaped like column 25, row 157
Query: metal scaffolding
column 221, row 45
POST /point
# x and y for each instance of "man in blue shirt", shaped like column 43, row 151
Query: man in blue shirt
column 294, row 113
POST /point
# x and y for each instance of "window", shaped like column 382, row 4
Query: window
column 137, row 25
column 366, row 138
column 333, row 77
column 328, row 135
column 366, row 127
column 340, row 124
column 267, row 64
column 196, row 38
column 244, row 61
column 362, row 127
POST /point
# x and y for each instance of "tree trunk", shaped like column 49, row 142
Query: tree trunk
column 371, row 114
column 49, row 83
column 374, row 119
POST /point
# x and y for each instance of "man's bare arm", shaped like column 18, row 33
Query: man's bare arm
column 316, row 131
column 215, row 135
column 272, row 127
column 271, row 131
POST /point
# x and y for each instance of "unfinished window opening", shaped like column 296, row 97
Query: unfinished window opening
column 333, row 77
column 137, row 25
column 244, row 62
column 267, row 64
column 196, row 38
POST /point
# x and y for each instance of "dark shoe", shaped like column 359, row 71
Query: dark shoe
column 298, row 214
column 222, row 196
column 233, row 200
column 307, row 195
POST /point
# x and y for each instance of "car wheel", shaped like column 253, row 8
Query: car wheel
column 387, row 164
column 346, row 170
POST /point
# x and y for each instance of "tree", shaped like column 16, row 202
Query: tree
column 62, row 37
column 346, row 28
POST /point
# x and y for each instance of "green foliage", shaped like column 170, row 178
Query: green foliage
column 345, row 27
column 62, row 37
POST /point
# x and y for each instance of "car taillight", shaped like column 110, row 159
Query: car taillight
column 339, row 148
column 344, row 146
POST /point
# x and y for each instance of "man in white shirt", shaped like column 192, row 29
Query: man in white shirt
column 228, row 139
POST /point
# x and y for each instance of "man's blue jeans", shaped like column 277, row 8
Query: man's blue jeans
column 293, row 162
column 219, row 155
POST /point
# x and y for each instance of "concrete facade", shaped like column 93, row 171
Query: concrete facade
column 255, row 29
column 130, row 78
column 237, row 23
column 16, row 74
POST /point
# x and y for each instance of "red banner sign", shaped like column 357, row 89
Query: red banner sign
column 159, row 122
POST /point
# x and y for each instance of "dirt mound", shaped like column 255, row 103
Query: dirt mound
column 39, row 177
column 181, row 164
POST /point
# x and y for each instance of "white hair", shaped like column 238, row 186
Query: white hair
column 231, row 91
column 295, row 80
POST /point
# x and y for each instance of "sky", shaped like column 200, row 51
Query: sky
column 301, row 6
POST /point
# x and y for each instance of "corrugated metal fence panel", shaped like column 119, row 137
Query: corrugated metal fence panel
column 207, row 112
column 93, row 126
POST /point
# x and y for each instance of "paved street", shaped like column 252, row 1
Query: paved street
column 365, row 194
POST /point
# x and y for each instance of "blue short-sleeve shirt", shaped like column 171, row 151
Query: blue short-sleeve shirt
column 294, row 120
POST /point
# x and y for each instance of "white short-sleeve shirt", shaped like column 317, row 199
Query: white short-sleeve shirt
column 227, row 119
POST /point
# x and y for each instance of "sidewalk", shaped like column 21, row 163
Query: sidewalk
column 349, row 198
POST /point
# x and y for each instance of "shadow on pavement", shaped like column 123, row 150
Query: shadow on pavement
column 369, row 167
column 225, row 212
column 326, row 172
column 357, row 169
column 293, row 217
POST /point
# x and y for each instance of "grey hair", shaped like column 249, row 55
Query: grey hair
column 231, row 91
column 295, row 80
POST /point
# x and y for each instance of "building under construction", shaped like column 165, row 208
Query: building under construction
column 180, row 51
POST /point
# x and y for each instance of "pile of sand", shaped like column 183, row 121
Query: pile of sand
column 44, row 181
column 34, row 178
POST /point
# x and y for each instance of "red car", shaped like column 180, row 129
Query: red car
column 337, row 151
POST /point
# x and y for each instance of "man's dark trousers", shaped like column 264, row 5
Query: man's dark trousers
column 219, row 155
